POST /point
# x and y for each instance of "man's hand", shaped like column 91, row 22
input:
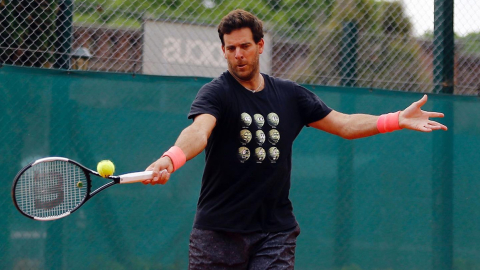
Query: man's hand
column 161, row 171
column 414, row 118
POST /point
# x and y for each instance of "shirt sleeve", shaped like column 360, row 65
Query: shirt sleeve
column 207, row 101
column 312, row 108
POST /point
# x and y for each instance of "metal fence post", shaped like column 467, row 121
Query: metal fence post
column 442, row 160
column 64, row 31
column 443, row 52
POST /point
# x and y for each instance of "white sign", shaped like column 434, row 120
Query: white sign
column 177, row 49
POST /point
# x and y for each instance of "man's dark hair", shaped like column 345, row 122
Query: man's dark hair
column 238, row 19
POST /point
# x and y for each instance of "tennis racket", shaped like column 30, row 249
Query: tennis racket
column 54, row 187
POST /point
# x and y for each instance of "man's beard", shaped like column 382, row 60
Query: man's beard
column 248, row 76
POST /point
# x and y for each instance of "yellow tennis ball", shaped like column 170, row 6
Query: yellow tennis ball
column 105, row 168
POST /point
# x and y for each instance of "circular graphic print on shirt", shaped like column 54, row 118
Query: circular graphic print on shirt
column 273, row 154
column 243, row 154
column 273, row 136
column 246, row 119
column 259, row 120
column 260, row 154
column 245, row 136
column 260, row 137
column 273, row 119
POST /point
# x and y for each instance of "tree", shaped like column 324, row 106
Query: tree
column 29, row 32
column 388, row 57
column 292, row 17
column 393, row 20
column 470, row 44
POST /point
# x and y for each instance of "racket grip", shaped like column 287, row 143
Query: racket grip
column 136, row 177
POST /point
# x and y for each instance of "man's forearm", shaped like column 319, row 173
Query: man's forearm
column 192, row 141
column 359, row 126
column 348, row 126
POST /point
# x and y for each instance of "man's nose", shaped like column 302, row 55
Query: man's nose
column 238, row 54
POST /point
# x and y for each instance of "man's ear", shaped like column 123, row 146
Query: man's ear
column 223, row 50
column 261, row 45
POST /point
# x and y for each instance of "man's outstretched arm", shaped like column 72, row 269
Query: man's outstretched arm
column 354, row 126
column 192, row 141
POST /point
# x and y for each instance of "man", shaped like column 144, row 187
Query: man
column 244, row 217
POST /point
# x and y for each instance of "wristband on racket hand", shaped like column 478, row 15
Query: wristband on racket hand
column 177, row 156
column 388, row 122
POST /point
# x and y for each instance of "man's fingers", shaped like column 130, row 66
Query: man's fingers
column 149, row 181
column 156, row 171
column 422, row 101
column 435, row 115
column 159, row 177
column 427, row 126
column 432, row 125
column 436, row 125
column 160, row 174
column 165, row 176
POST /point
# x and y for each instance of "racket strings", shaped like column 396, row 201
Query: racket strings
column 51, row 189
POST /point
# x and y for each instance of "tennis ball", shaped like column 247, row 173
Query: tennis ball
column 80, row 184
column 105, row 168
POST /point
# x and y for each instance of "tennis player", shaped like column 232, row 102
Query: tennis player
column 246, row 122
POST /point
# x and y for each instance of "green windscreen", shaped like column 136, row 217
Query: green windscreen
column 397, row 201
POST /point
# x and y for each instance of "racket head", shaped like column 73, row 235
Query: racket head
column 49, row 189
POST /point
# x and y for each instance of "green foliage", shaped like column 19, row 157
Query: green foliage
column 384, row 46
column 380, row 17
column 384, row 31
column 294, row 18
column 469, row 44
column 393, row 20
column 290, row 16
column 360, row 11
column 29, row 32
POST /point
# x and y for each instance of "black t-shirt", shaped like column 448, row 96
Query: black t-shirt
column 246, row 181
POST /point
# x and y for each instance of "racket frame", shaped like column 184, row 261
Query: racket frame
column 120, row 179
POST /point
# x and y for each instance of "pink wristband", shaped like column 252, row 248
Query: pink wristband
column 177, row 156
column 388, row 122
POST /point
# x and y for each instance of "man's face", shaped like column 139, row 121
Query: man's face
column 242, row 53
